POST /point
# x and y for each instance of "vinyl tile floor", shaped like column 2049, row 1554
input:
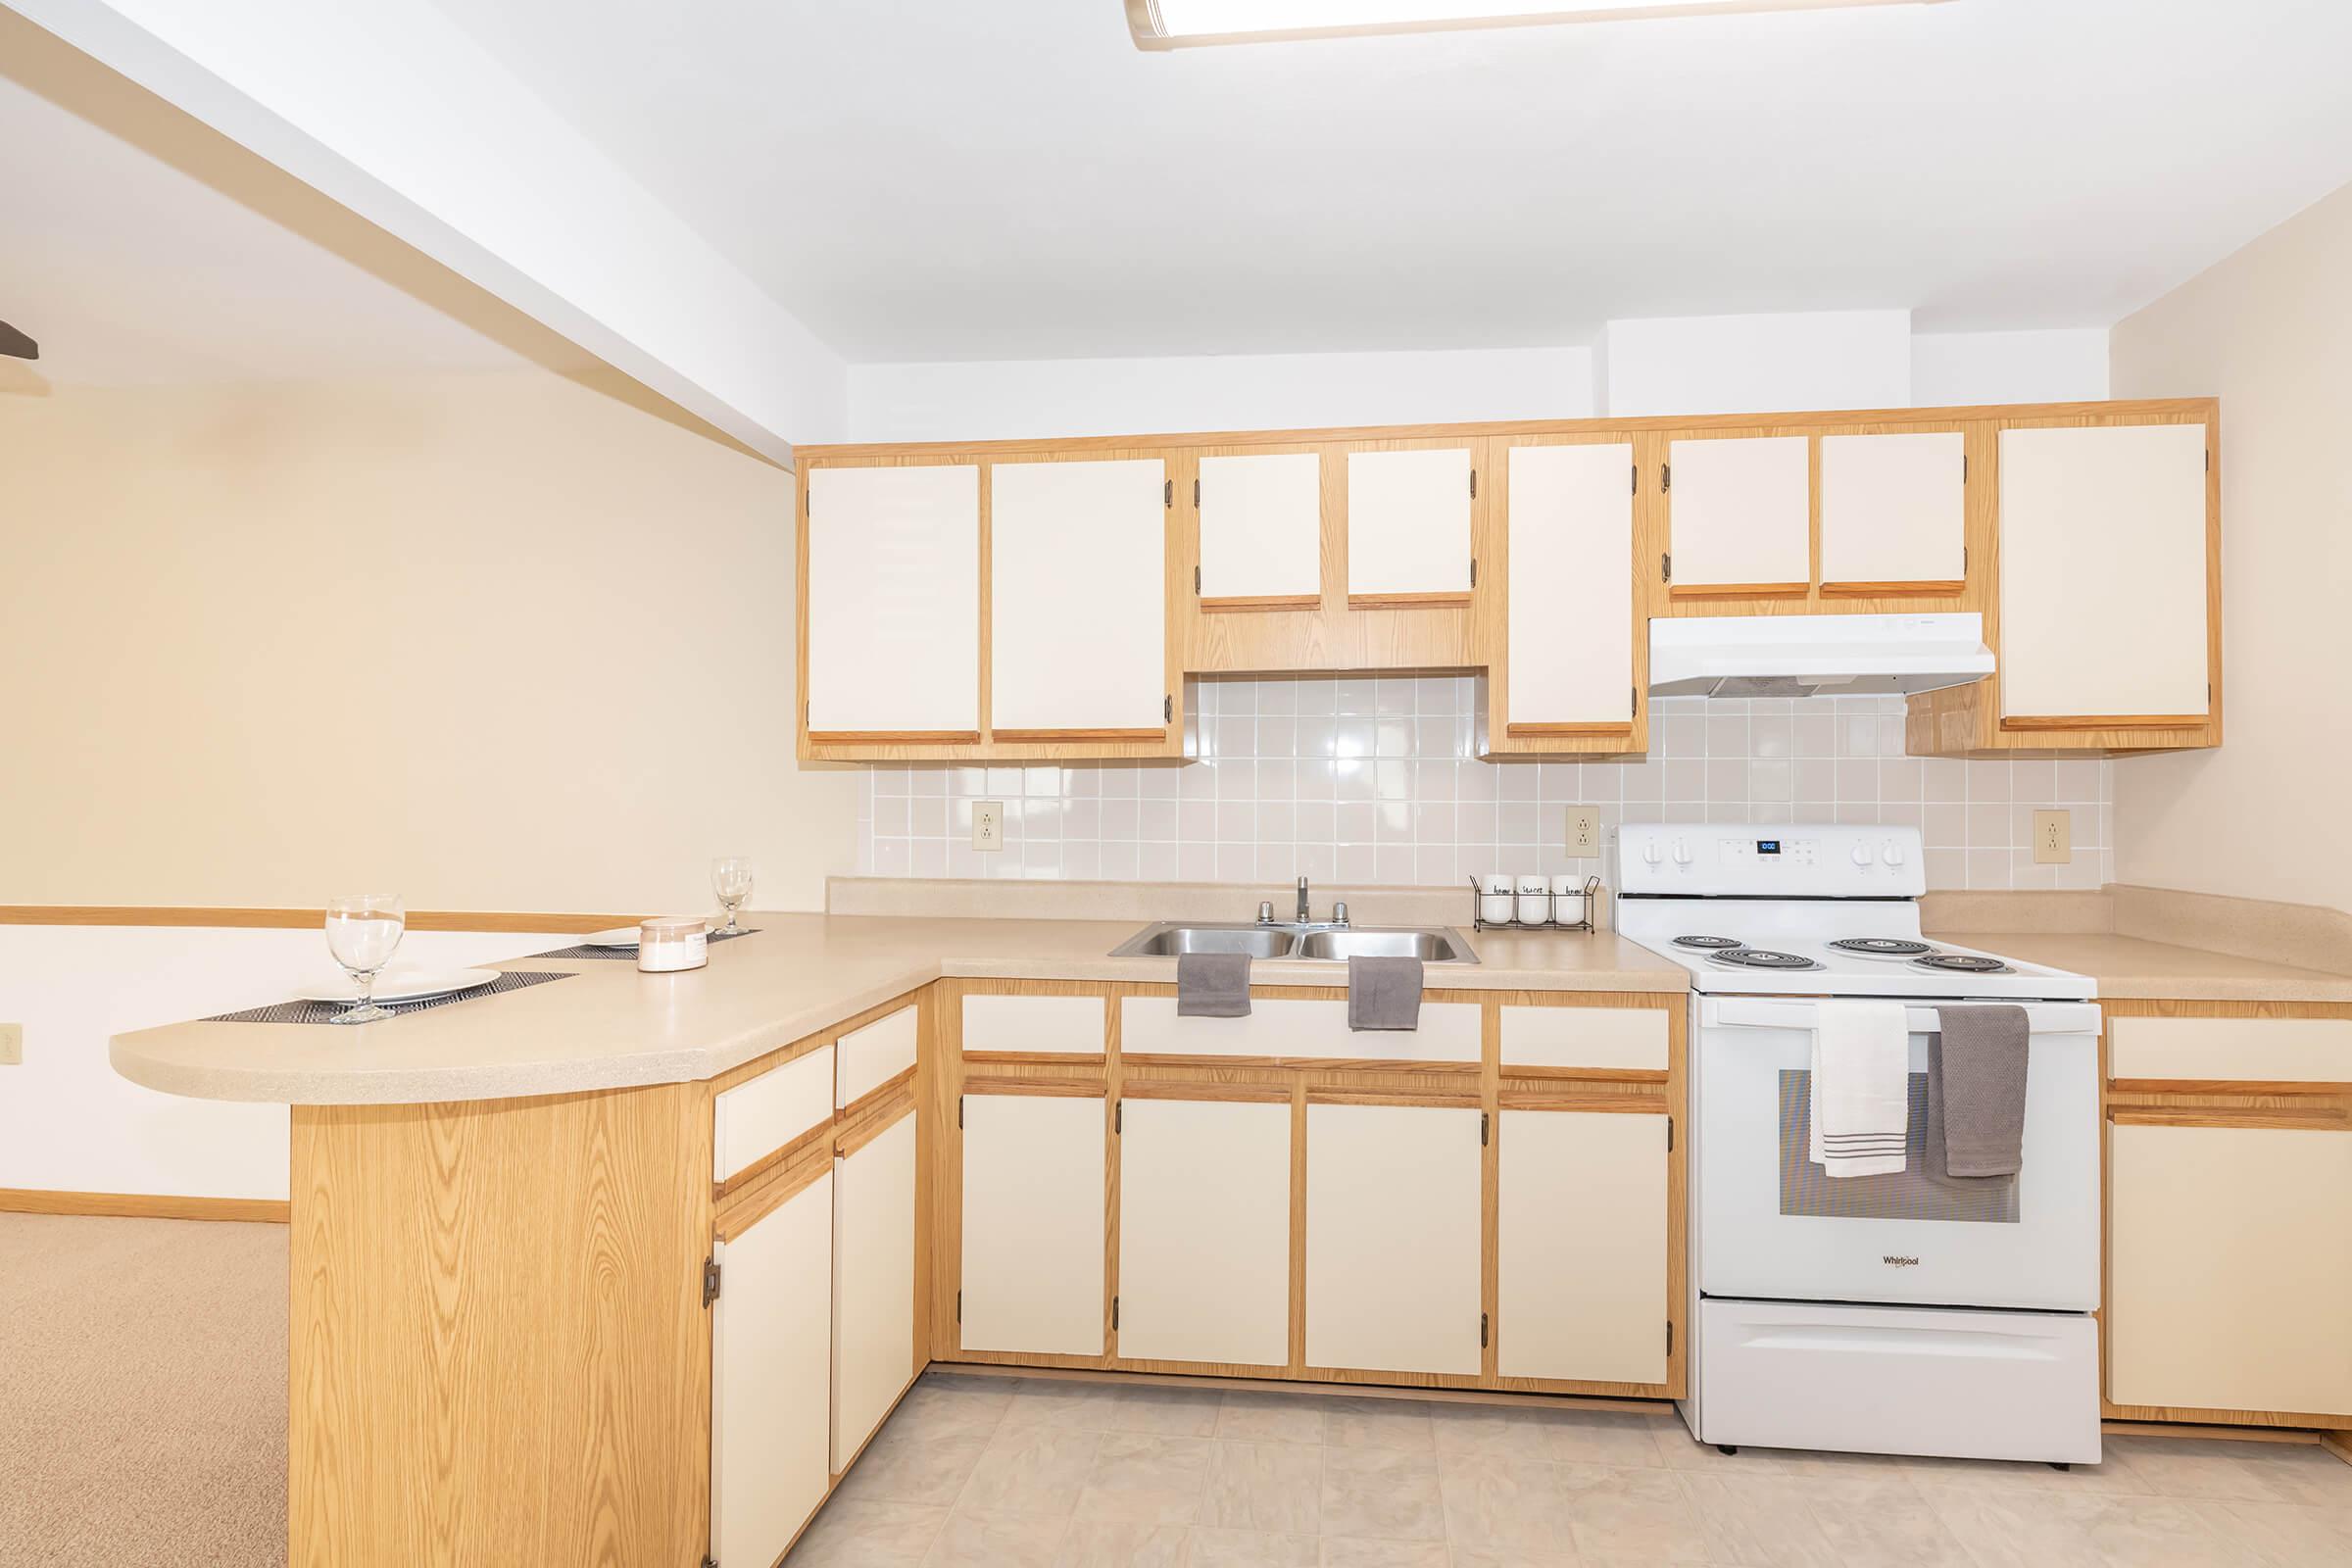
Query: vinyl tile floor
column 985, row 1472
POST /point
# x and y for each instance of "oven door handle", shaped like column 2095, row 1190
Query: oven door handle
column 1759, row 1012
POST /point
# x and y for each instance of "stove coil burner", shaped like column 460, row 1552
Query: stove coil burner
column 1761, row 959
column 1705, row 943
column 1962, row 964
column 1882, row 947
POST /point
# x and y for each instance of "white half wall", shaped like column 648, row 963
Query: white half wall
column 1012, row 398
column 1955, row 368
column 397, row 113
column 68, row 1122
column 1759, row 363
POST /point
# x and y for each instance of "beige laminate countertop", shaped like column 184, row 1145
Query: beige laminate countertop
column 613, row 1027
column 2130, row 967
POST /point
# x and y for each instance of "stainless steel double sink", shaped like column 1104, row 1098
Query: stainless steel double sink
column 1328, row 942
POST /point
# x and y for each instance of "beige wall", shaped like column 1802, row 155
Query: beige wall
column 495, row 642
column 2269, row 330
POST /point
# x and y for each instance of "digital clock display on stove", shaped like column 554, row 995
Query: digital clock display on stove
column 1768, row 846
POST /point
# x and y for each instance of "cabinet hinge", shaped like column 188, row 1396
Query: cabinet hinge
column 1474, row 484
column 1670, row 1135
column 1114, row 1314
column 1167, row 709
column 959, row 1112
column 1665, row 476
column 1196, row 579
column 1666, row 568
column 710, row 1272
column 2209, row 459
column 1118, row 1115
column 1481, row 1129
column 1637, row 490
column 1195, row 494
column 709, row 1562
column 958, row 1307
column 1670, row 1336
column 1482, row 1331
column 1964, row 561
column 1473, row 571
column 1167, row 493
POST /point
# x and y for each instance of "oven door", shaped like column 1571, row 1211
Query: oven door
column 1771, row 1225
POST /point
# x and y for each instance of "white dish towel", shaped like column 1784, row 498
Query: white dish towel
column 1861, row 1107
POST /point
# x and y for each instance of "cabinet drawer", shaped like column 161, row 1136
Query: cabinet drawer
column 1296, row 1027
column 754, row 1119
column 2234, row 1049
column 873, row 1056
column 1585, row 1036
column 1062, row 1025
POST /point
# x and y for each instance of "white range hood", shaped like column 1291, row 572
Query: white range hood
column 1802, row 656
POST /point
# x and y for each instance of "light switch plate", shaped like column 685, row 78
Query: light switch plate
column 12, row 1045
column 1583, row 839
column 988, row 824
column 2053, row 836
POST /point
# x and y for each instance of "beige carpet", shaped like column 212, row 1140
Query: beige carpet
column 142, row 1393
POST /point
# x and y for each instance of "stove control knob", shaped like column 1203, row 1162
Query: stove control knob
column 1652, row 854
column 1864, row 854
column 1682, row 853
column 1894, row 853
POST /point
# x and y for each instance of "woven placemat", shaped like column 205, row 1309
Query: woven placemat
column 630, row 954
column 326, row 1011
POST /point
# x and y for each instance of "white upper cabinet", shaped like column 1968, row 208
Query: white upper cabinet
column 893, row 600
column 1741, row 511
column 1262, row 526
column 2103, row 579
column 1570, row 527
column 1408, row 523
column 1078, row 595
column 1894, row 509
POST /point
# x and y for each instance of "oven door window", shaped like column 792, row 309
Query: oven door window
column 1911, row 1194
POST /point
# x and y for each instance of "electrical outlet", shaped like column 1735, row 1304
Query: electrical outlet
column 1584, row 832
column 2053, row 836
column 12, row 1045
column 988, row 824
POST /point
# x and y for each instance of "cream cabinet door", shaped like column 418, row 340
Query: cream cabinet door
column 1033, row 1237
column 2103, row 585
column 1894, row 509
column 873, row 1285
column 1262, row 526
column 2229, row 1264
column 1580, row 1253
column 1204, row 1231
column 1408, row 523
column 894, row 601
column 1570, row 528
column 1078, row 595
column 1393, row 1238
column 1740, row 512
column 771, row 1376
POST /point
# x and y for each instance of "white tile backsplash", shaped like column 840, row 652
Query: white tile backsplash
column 1364, row 780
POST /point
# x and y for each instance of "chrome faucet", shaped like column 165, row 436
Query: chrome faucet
column 1306, row 916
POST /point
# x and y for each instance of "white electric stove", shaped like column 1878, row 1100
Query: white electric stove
column 1900, row 1313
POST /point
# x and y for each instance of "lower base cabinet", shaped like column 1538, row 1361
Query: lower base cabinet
column 2230, row 1267
column 1033, row 1233
column 1393, row 1238
column 1204, row 1231
column 1581, row 1248
column 771, row 1362
column 873, row 1283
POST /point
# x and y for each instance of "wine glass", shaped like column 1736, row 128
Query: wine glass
column 362, row 930
column 731, row 880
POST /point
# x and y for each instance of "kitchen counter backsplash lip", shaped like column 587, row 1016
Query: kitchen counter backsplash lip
column 617, row 1028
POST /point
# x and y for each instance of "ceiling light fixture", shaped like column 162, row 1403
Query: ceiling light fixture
column 1183, row 24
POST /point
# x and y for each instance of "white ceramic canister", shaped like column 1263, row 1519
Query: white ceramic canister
column 667, row 944
column 1568, row 900
column 1495, row 904
column 1534, row 900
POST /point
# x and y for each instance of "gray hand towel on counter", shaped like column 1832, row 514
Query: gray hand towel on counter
column 1212, row 985
column 1383, row 992
column 1977, row 1091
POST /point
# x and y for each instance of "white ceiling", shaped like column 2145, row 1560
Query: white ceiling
column 149, row 273
column 945, row 179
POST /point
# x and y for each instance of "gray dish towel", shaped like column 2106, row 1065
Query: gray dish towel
column 1212, row 985
column 1977, row 1091
column 1383, row 992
